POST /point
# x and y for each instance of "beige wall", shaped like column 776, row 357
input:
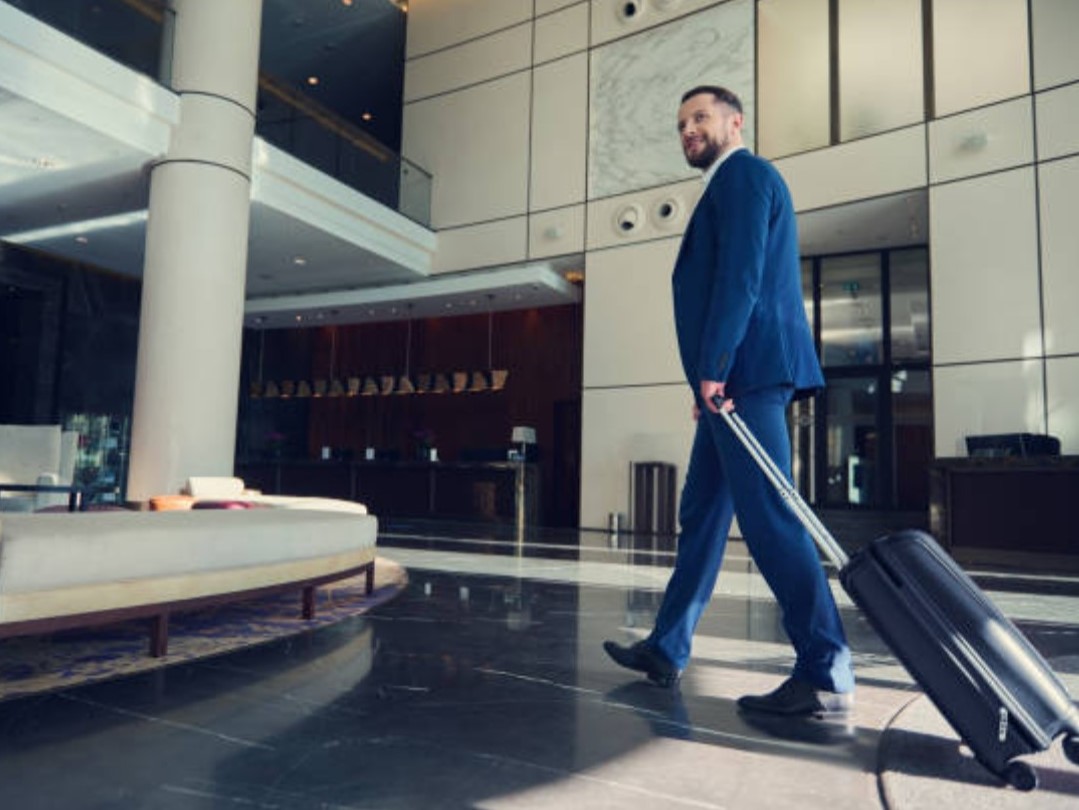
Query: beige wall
column 503, row 108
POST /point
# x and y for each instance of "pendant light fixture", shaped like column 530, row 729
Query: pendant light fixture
column 404, row 382
column 496, row 376
column 256, row 389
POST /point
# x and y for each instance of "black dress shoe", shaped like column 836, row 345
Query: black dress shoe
column 795, row 698
column 640, row 657
column 812, row 730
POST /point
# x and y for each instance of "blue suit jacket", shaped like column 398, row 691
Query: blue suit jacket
column 738, row 288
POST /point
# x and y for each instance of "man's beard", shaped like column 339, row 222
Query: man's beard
column 706, row 157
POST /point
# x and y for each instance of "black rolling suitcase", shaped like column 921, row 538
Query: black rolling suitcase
column 982, row 674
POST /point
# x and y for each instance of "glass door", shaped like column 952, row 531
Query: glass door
column 866, row 441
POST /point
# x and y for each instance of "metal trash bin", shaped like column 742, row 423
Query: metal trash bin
column 654, row 502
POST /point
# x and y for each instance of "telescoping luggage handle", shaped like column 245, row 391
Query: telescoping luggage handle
column 823, row 538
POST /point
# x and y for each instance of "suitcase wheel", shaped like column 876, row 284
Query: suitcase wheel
column 1071, row 747
column 1021, row 776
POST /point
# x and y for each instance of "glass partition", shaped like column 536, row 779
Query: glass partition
column 130, row 33
column 880, row 66
column 809, row 294
column 792, row 76
column 909, row 287
column 868, row 441
column 851, row 316
column 853, row 441
column 981, row 53
column 354, row 158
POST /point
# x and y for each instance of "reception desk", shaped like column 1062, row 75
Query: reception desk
column 477, row 491
column 1015, row 512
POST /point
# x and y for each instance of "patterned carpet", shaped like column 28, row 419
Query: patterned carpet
column 61, row 660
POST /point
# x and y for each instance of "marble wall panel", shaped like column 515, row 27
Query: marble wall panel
column 1058, row 188
column 561, row 33
column 547, row 6
column 613, row 19
column 981, row 53
column 556, row 233
column 641, row 216
column 629, row 323
column 986, row 398
column 1062, row 382
column 624, row 425
column 984, row 260
column 1056, row 59
column 437, row 24
column 866, row 168
column 476, row 61
column 475, row 144
column 1058, row 122
column 985, row 140
column 636, row 87
column 486, row 245
column 559, row 129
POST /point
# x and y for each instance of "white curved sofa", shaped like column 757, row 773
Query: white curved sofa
column 222, row 488
column 68, row 569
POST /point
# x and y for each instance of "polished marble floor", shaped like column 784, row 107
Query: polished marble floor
column 484, row 686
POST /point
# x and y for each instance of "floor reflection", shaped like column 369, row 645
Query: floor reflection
column 484, row 686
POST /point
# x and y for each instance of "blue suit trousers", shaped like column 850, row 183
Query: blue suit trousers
column 723, row 480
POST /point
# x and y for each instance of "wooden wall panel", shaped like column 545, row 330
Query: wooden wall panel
column 541, row 349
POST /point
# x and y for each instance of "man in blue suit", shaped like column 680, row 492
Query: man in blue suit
column 744, row 341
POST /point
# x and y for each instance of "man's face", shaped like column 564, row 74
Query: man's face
column 708, row 128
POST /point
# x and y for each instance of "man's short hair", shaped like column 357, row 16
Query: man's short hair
column 721, row 94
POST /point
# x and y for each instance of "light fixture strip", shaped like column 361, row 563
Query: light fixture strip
column 333, row 350
column 408, row 344
column 490, row 331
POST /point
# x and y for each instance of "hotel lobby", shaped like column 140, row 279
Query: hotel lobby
column 343, row 334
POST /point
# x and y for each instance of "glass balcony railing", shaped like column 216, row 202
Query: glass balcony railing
column 130, row 33
column 317, row 136
column 138, row 34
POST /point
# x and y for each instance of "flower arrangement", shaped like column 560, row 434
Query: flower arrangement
column 275, row 441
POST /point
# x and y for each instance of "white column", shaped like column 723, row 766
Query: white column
column 188, row 369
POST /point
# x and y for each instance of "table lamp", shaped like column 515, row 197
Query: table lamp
column 523, row 436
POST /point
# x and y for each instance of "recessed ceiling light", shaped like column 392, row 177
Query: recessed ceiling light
column 299, row 318
column 346, row 2
column 299, row 261
column 312, row 80
column 367, row 116
column 82, row 240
